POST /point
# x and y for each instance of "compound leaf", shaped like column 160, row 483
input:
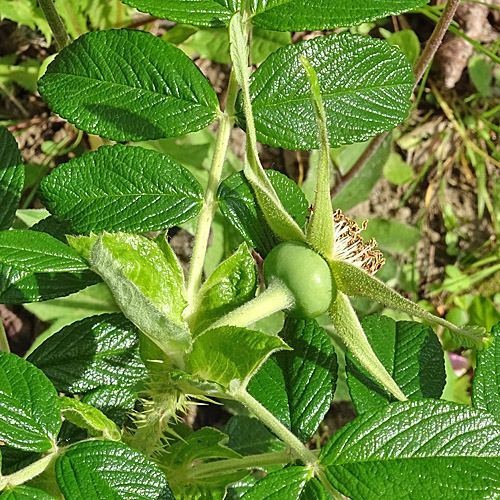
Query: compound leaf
column 29, row 412
column 96, row 351
column 365, row 87
column 35, row 266
column 298, row 386
column 128, row 85
column 237, row 201
column 410, row 352
column 105, row 470
column 11, row 178
column 297, row 15
column 122, row 188
column 422, row 449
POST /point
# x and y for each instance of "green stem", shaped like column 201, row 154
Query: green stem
column 207, row 211
column 29, row 472
column 294, row 445
column 61, row 36
column 4, row 341
column 275, row 298
column 219, row 467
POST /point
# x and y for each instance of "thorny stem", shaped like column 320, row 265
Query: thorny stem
column 61, row 36
column 4, row 341
column 421, row 65
column 207, row 212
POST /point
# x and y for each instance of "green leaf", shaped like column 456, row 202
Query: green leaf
column 128, row 85
column 145, row 284
column 485, row 385
column 29, row 413
column 410, row 352
column 417, row 449
column 231, row 284
column 27, row 13
column 89, row 418
column 11, row 178
column 238, row 203
column 481, row 74
column 121, row 188
column 35, row 266
column 391, row 235
column 230, row 353
column 297, row 387
column 114, row 401
column 365, row 86
column 408, row 42
column 397, row 171
column 96, row 351
column 240, row 428
column 180, row 459
column 102, row 470
column 483, row 312
column 210, row 13
column 358, row 189
column 25, row 493
column 285, row 484
column 297, row 15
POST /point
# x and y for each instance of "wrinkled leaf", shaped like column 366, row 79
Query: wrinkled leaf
column 128, row 85
column 365, row 86
column 121, row 188
column 96, row 351
column 29, row 413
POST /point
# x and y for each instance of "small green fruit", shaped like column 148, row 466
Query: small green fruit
column 305, row 273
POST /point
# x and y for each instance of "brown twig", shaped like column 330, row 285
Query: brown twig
column 423, row 61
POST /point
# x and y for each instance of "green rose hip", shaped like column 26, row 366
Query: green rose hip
column 305, row 273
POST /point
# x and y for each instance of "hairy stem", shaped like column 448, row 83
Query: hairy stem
column 297, row 449
column 218, row 467
column 61, row 36
column 421, row 65
column 207, row 212
column 4, row 341
column 29, row 472
column 275, row 298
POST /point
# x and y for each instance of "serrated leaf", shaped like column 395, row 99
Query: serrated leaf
column 365, row 86
column 230, row 353
column 121, row 188
column 29, row 413
column 27, row 13
column 422, row 449
column 25, row 493
column 96, row 351
column 145, row 284
column 297, row 15
column 240, row 428
column 102, row 470
column 210, row 13
column 128, row 85
column 35, row 266
column 11, row 178
column 410, row 352
column 89, row 418
column 114, row 401
column 238, row 203
column 231, row 284
column 485, row 385
column 297, row 387
column 285, row 484
column 180, row 459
